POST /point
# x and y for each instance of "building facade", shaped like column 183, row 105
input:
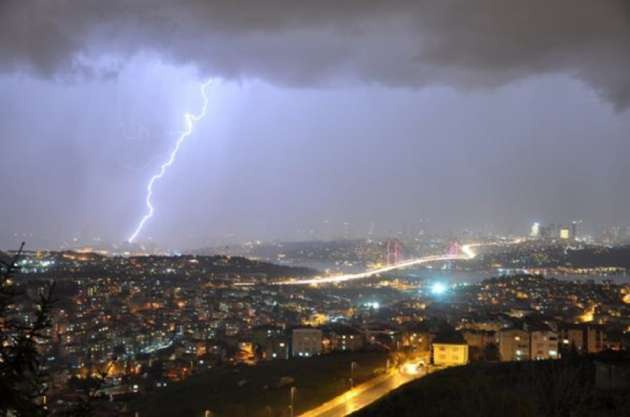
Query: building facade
column 450, row 354
column 342, row 339
column 514, row 345
column 306, row 342
column 543, row 345
column 583, row 338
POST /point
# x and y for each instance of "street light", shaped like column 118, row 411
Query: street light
column 353, row 365
column 292, row 396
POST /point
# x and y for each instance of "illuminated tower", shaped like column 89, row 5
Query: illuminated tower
column 394, row 248
column 535, row 232
column 574, row 228
column 454, row 248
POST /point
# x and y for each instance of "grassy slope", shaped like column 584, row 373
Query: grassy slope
column 502, row 390
column 316, row 380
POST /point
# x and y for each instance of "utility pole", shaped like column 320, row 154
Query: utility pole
column 353, row 365
column 292, row 397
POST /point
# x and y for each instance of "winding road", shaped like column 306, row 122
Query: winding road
column 361, row 396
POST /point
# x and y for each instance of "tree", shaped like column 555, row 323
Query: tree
column 119, row 351
column 491, row 352
column 87, row 390
column 22, row 367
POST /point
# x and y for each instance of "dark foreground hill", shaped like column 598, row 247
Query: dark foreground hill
column 535, row 389
column 261, row 390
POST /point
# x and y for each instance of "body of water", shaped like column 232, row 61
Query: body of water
column 473, row 277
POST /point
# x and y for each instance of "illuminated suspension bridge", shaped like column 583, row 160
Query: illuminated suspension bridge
column 464, row 252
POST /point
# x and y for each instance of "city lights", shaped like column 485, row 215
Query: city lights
column 467, row 253
column 438, row 288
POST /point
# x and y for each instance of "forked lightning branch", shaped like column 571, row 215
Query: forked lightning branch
column 189, row 124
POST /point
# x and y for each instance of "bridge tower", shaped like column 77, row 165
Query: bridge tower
column 394, row 248
column 454, row 248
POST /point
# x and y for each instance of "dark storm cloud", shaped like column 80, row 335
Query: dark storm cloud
column 465, row 43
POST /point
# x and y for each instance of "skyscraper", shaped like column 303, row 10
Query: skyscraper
column 535, row 232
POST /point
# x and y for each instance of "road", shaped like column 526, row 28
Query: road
column 361, row 395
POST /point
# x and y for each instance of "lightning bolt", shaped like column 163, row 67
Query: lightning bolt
column 189, row 122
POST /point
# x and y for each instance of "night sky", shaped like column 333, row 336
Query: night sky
column 444, row 114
